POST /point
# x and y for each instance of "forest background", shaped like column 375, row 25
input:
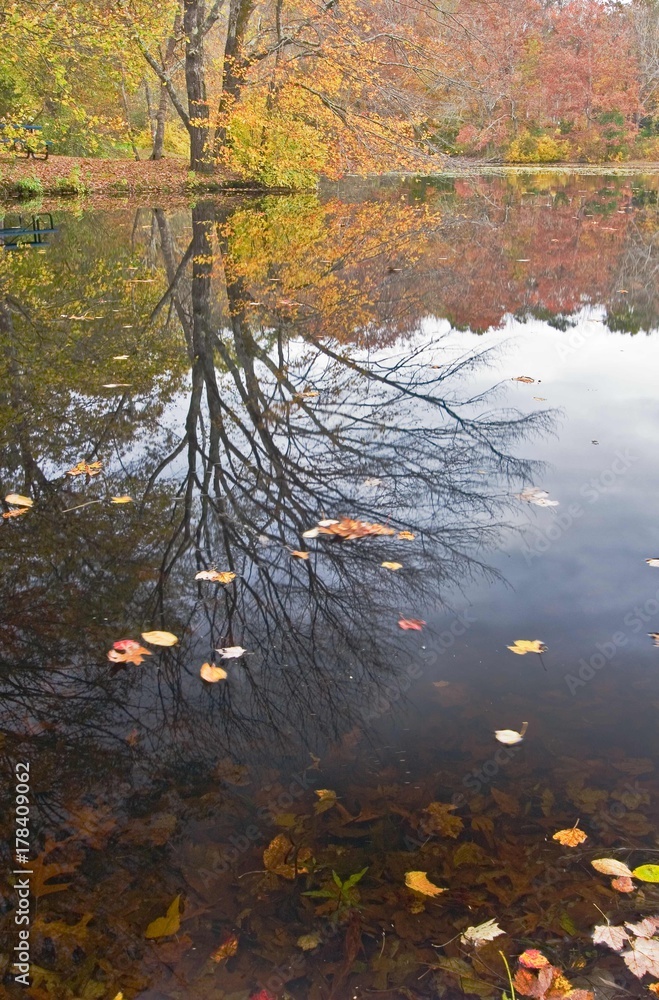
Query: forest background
column 280, row 91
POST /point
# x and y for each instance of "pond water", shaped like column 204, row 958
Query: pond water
column 429, row 357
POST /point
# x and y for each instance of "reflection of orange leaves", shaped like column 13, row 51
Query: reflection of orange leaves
column 570, row 838
column 416, row 624
column 227, row 948
column 85, row 469
column 347, row 528
column 282, row 858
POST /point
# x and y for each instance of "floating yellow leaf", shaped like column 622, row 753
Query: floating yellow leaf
column 524, row 646
column 160, row 638
column 167, row 925
column 85, row 469
column 282, row 858
column 570, row 838
column 523, row 378
column 216, row 576
column 18, row 500
column 326, row 799
column 123, row 499
column 209, row 672
column 392, row 565
column 419, row 882
column 406, row 536
column 647, row 873
column 299, row 554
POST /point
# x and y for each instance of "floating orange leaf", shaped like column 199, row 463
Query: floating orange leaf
column 533, row 959
column 299, row 554
column 15, row 513
column 209, row 672
column 419, row 882
column 623, row 884
column 127, row 651
column 349, row 529
column 392, row 565
column 406, row 536
column 216, row 576
column 570, row 838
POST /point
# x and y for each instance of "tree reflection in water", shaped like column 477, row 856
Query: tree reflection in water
column 312, row 392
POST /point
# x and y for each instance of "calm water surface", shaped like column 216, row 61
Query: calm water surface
column 242, row 371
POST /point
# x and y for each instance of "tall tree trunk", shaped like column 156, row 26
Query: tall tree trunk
column 235, row 65
column 194, row 17
column 161, row 113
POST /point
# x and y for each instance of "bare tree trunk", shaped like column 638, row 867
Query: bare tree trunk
column 129, row 127
column 194, row 19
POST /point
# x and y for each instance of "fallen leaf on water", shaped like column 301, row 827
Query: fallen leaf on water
column 85, row 469
column 613, row 937
column 654, row 988
column 167, row 925
column 121, row 357
column 406, row 536
column 327, row 523
column 307, row 394
column 647, row 873
column 646, row 928
column 307, row 942
column 124, row 499
column 127, row 651
column 392, row 565
column 15, row 513
column 524, row 646
column 209, row 672
column 478, row 935
column 311, row 533
column 231, row 652
column 116, row 385
column 652, row 562
column 215, row 576
column 158, row 638
column 372, row 481
column 18, row 500
column 532, row 494
column 623, row 884
column 299, row 554
column 326, row 799
column 533, row 959
column 541, row 399
column 655, row 636
column 609, row 866
column 523, row 378
column 419, row 882
column 643, row 957
column 227, row 948
column 348, row 528
column 411, row 623
column 279, row 855
column 570, row 838
column 511, row 736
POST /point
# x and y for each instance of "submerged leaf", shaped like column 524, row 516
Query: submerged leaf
column 279, row 855
column 478, row 935
column 419, row 882
column 307, row 942
column 326, row 799
column 209, row 672
column 167, row 925
column 227, row 948
column 158, row 638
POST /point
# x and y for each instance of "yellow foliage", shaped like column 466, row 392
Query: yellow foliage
column 527, row 148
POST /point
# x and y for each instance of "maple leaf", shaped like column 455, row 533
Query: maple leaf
column 533, row 959
column 643, row 957
column 647, row 927
column 419, row 882
column 415, row 624
column 570, row 838
column 482, row 933
column 524, row 646
column 614, row 937
column 128, row 651
column 440, row 820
